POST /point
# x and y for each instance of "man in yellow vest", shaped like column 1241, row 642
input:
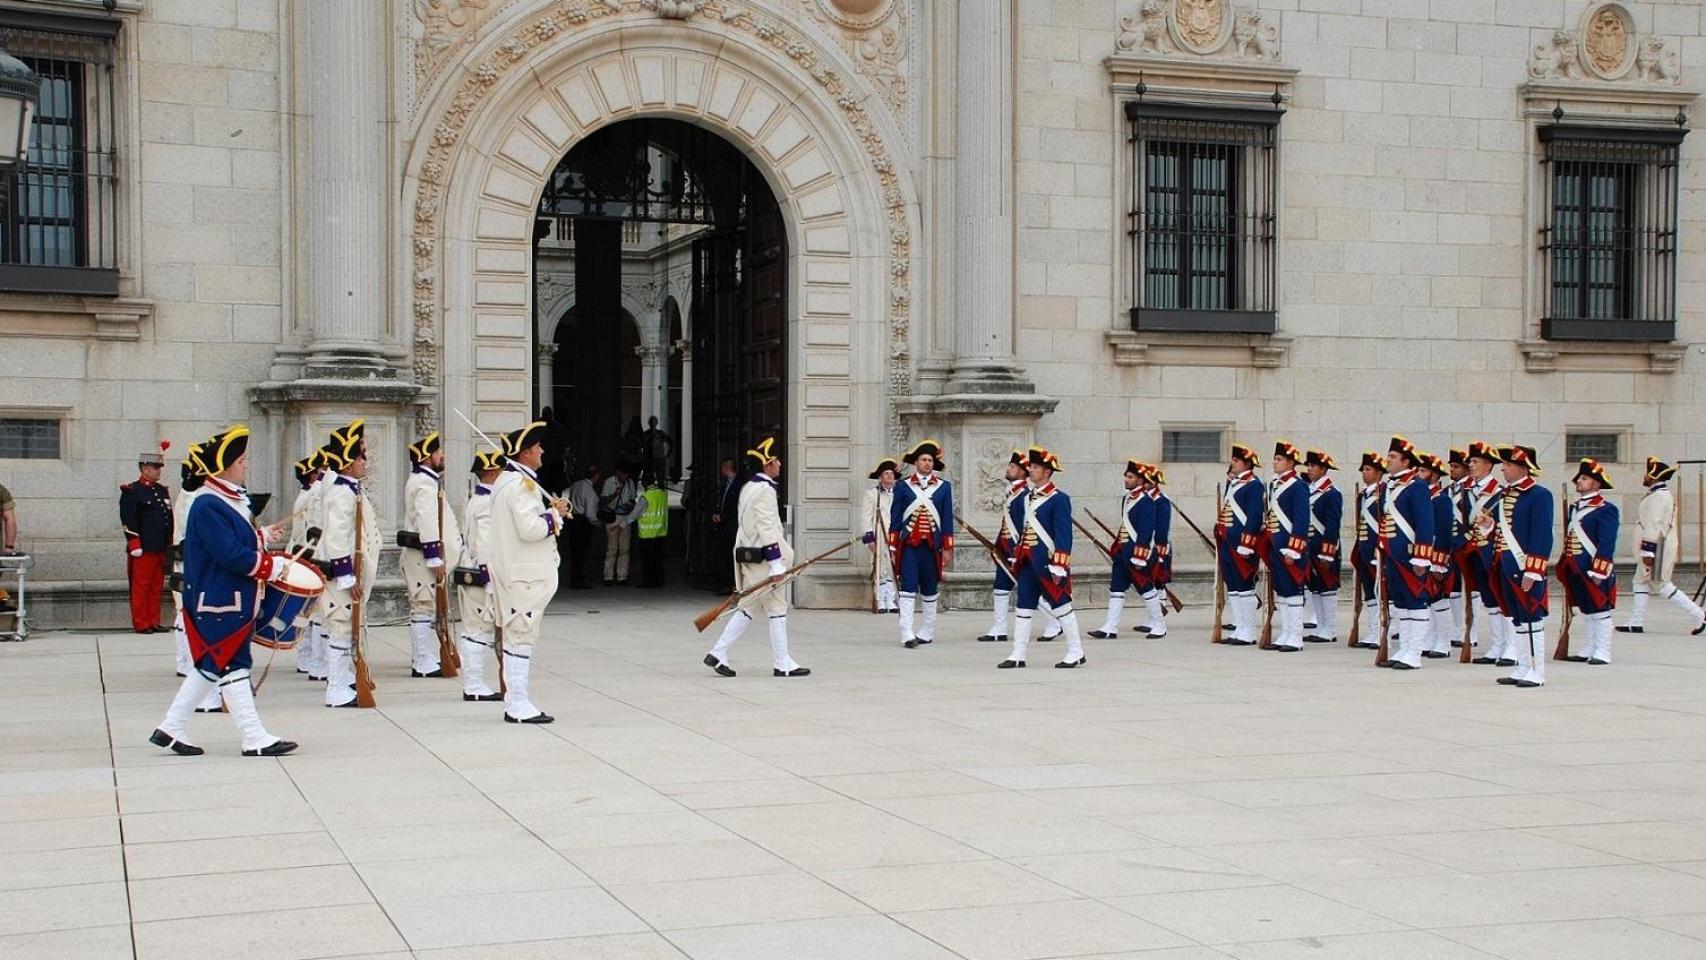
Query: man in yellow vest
column 652, row 528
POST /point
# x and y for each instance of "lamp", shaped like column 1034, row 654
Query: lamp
column 20, row 91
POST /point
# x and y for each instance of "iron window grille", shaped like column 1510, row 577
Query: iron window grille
column 59, row 225
column 1191, row 446
column 1603, row 447
column 1203, row 218
column 29, row 439
column 1608, row 239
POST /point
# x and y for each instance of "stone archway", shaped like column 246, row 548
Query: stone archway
column 530, row 92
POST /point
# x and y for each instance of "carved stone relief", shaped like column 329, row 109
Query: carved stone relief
column 1200, row 28
column 875, row 33
column 1605, row 46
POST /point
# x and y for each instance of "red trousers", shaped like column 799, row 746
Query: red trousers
column 147, row 581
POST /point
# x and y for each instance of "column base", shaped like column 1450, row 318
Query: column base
column 987, row 377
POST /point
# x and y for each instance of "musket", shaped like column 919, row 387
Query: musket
column 1214, row 631
column 1357, row 575
column 1562, row 650
column 712, row 615
column 498, row 645
column 1210, row 544
column 449, row 661
column 1172, row 597
column 1092, row 538
column 994, row 553
column 358, row 649
column 1381, row 588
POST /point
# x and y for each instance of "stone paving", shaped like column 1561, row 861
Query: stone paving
column 1172, row 801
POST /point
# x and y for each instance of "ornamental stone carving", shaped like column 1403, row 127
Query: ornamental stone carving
column 1605, row 46
column 990, row 473
column 1198, row 28
column 875, row 34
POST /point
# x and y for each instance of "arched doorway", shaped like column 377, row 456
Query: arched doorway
column 631, row 209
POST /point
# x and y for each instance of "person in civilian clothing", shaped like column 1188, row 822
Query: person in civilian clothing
column 145, row 510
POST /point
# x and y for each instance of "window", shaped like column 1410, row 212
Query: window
column 1202, row 223
column 1608, row 240
column 59, row 222
column 1192, row 446
column 1603, row 447
column 29, row 439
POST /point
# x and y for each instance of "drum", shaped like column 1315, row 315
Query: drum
column 284, row 602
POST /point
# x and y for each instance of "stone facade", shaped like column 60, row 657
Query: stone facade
column 326, row 211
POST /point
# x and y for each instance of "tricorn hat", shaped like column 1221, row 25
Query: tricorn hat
column 221, row 450
column 1288, row 450
column 1458, row 457
column 1589, row 467
column 1372, row 460
column 1516, row 453
column 886, row 463
column 486, row 461
column 1320, row 458
column 1658, row 471
column 1138, row 467
column 306, row 468
column 1431, row 461
column 348, row 444
column 1241, row 452
column 422, row 450
column 1043, row 457
column 923, row 447
column 1484, row 450
column 518, row 440
column 764, row 452
column 1402, row 445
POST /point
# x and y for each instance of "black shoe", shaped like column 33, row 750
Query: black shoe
column 723, row 669
column 1576, row 658
column 1483, row 660
column 1104, row 635
column 1232, row 642
column 1435, row 654
column 1507, row 681
column 1527, row 684
column 488, row 698
column 1401, row 665
column 180, row 676
column 278, row 749
column 347, row 705
column 610, row 583
column 1009, row 664
column 315, row 679
column 1383, row 663
column 1697, row 631
column 1284, row 649
column 436, row 673
column 1638, row 629
column 1157, row 636
column 541, row 718
column 1228, row 627
column 161, row 738
column 1311, row 626
column 1599, row 663
column 1072, row 664
column 915, row 642
column 1505, row 663
column 1364, row 645
column 796, row 672
column 1320, row 639
column 1049, row 639
column 992, row 638
column 218, row 709
column 1142, row 629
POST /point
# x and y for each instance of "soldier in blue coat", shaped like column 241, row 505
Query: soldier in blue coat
column 1519, row 547
column 1407, row 537
column 1134, row 542
column 921, row 538
column 225, row 565
column 1481, row 492
column 1155, row 479
column 1238, row 540
column 1585, row 567
column 1441, row 630
column 1043, row 559
column 1326, row 516
column 1365, row 551
column 1286, row 543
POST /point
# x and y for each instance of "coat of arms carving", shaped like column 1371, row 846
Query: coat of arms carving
column 1200, row 24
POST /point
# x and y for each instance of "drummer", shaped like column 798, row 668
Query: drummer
column 225, row 562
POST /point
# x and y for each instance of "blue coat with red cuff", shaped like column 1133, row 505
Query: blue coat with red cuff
column 1054, row 519
column 224, row 566
column 1233, row 531
column 1288, row 527
column 1585, row 568
column 1409, row 535
column 903, row 519
column 1326, row 517
column 1163, row 540
column 1525, row 510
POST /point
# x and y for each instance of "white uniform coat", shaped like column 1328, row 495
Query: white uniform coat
column 477, row 613
column 420, row 515
column 761, row 526
column 337, row 542
column 521, row 553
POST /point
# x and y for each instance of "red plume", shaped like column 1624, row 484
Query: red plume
column 165, row 445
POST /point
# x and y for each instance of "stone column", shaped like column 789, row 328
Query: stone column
column 983, row 202
column 684, row 435
column 346, row 76
column 545, row 389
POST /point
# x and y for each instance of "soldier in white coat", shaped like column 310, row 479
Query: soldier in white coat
column 340, row 540
column 478, row 633
column 431, row 544
column 1660, row 546
column 304, row 541
column 874, row 508
column 762, row 553
column 521, row 554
